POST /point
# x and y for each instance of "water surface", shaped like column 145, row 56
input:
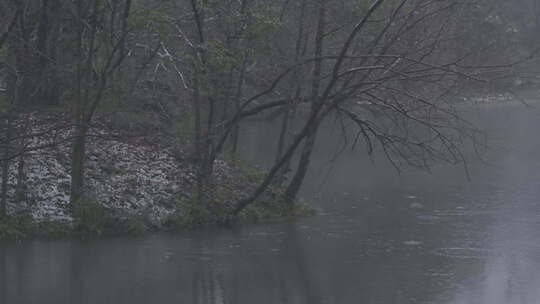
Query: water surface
column 380, row 238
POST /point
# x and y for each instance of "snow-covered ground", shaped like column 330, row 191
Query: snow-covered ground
column 127, row 174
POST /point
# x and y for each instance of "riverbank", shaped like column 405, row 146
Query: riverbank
column 136, row 182
column 98, row 222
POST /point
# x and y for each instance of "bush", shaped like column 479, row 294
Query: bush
column 89, row 216
column 53, row 229
column 183, row 129
column 267, row 210
column 189, row 214
column 135, row 226
column 252, row 174
column 16, row 227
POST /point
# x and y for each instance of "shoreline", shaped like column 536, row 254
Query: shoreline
column 136, row 182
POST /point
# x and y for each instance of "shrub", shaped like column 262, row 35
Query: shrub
column 53, row 229
column 251, row 173
column 135, row 226
column 189, row 214
column 183, row 129
column 16, row 227
column 275, row 209
column 89, row 216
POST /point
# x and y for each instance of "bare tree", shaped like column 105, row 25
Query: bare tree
column 309, row 143
column 403, row 72
column 387, row 70
column 100, row 41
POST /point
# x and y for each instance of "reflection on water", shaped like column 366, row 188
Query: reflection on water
column 380, row 238
column 511, row 267
column 507, row 279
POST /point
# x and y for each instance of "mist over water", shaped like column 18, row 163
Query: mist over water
column 380, row 237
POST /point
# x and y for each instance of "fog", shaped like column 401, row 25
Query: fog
column 270, row 152
column 380, row 237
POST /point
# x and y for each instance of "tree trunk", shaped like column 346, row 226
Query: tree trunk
column 290, row 113
column 288, row 117
column 238, row 96
column 5, row 170
column 3, row 202
column 50, row 91
column 77, row 165
column 303, row 164
column 20, row 190
column 282, row 138
column 12, row 90
column 205, row 187
column 6, row 158
column 294, row 186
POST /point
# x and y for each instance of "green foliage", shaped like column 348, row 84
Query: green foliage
column 142, row 18
column 111, row 102
column 16, row 227
column 184, row 129
column 259, row 211
column 275, row 209
column 251, row 173
column 53, row 229
column 23, row 226
column 89, row 216
column 265, row 22
column 189, row 214
column 222, row 58
column 221, row 204
column 135, row 226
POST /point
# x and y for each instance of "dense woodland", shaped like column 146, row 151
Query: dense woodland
column 193, row 73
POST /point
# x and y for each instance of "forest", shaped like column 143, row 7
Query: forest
column 128, row 115
column 270, row 151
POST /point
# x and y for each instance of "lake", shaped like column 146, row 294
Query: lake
column 380, row 237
